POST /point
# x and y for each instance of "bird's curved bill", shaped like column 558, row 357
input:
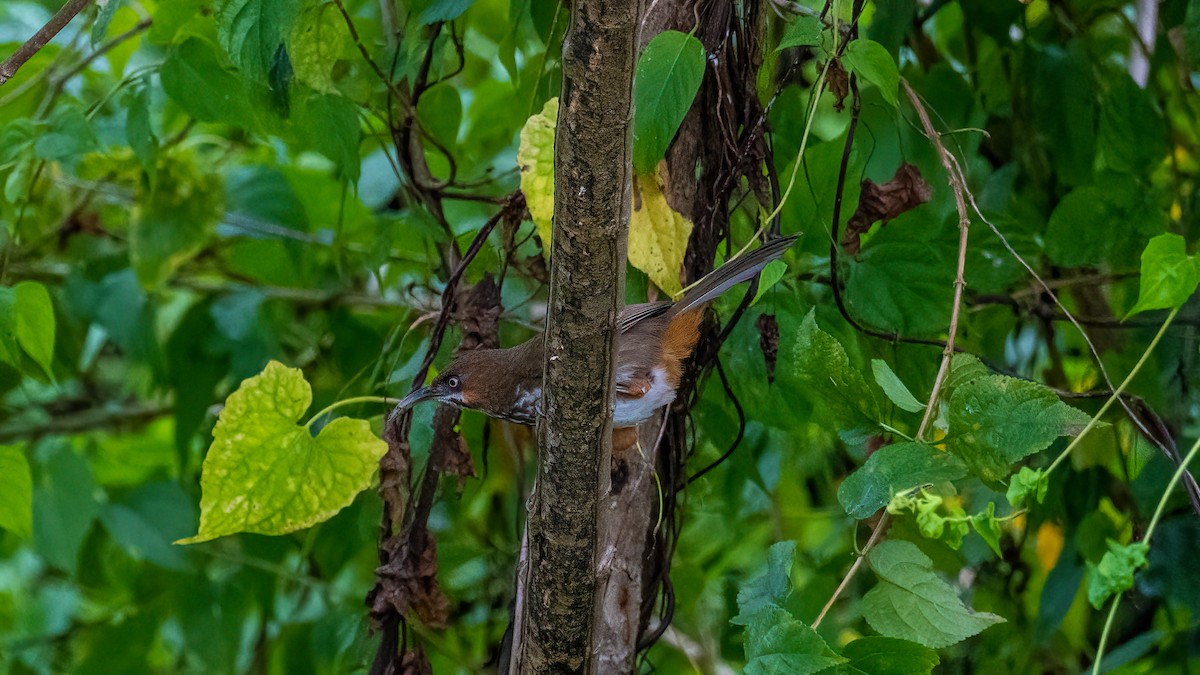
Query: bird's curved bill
column 414, row 398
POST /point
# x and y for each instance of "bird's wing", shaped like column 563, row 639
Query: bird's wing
column 631, row 385
column 635, row 314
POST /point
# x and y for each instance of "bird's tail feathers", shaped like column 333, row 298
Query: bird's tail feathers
column 733, row 272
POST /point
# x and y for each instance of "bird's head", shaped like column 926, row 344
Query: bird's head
column 464, row 382
column 504, row 383
column 448, row 387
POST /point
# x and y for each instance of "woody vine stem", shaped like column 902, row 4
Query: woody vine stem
column 958, row 184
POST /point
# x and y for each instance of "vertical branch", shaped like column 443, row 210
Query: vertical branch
column 593, row 151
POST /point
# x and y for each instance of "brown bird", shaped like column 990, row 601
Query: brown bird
column 653, row 340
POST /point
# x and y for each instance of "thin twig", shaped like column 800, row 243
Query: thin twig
column 99, row 417
column 362, row 49
column 101, row 51
column 44, row 35
column 959, row 187
column 876, row 535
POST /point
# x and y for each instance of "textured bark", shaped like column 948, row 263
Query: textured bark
column 593, row 151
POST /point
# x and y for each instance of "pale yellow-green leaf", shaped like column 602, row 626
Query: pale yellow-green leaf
column 658, row 235
column 535, row 156
column 315, row 44
column 265, row 473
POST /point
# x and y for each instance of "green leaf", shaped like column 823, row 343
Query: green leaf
column 10, row 350
column 988, row 528
column 894, row 388
column 175, row 222
column 1191, row 33
column 440, row 110
column 912, row 603
column 776, row 642
column 1114, row 574
column 1027, row 482
column 1109, row 221
column 103, row 18
column 889, row 656
column 658, row 234
column 1062, row 90
column 251, row 31
column 1169, row 275
column 535, row 157
column 139, row 131
column 963, row 369
column 64, row 506
column 1073, row 235
column 872, row 62
column 1132, row 136
column 950, row 527
column 996, row 421
column 895, row 469
column 903, row 280
column 770, row 275
column 33, row 323
column 69, row 135
column 822, row 365
column 264, row 473
column 668, row 76
column 444, row 10
column 16, row 491
column 329, row 125
column 193, row 76
column 146, row 522
column 804, row 31
column 768, row 588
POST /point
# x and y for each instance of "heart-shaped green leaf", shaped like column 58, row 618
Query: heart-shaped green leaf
column 1169, row 275
column 264, row 473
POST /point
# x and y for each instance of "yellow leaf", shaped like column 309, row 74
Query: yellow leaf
column 1049, row 545
column 535, row 156
column 658, row 235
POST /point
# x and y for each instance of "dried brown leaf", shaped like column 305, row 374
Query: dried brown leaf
column 839, row 84
column 415, row 662
column 478, row 312
column 904, row 192
column 453, row 456
column 395, row 470
column 768, row 341
column 408, row 584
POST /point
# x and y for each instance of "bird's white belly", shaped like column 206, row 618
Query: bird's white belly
column 629, row 412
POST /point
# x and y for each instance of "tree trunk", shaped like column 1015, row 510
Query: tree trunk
column 559, row 604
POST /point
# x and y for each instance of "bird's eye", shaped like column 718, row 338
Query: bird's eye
column 453, row 382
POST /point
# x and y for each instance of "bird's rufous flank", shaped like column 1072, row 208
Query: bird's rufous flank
column 653, row 341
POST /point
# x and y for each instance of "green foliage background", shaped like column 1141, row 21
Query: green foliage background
column 194, row 188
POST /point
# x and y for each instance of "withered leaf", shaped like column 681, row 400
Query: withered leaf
column 395, row 469
column 415, row 662
column 905, row 191
column 451, row 453
column 839, row 84
column 407, row 583
column 768, row 341
column 478, row 312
